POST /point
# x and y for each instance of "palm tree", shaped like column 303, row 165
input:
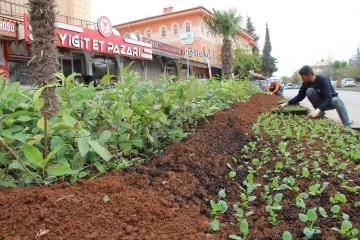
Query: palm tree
column 339, row 67
column 45, row 59
column 226, row 24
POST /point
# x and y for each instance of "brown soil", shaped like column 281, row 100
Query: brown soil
column 167, row 198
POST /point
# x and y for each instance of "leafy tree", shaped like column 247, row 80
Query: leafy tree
column 339, row 67
column 251, row 30
column 354, row 66
column 226, row 24
column 295, row 78
column 268, row 62
column 244, row 61
column 45, row 60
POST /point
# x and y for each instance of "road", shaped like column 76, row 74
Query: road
column 351, row 100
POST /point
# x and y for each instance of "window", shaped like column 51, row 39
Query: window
column 137, row 35
column 148, row 33
column 202, row 27
column 203, row 49
column 176, row 29
column 163, row 32
column 187, row 27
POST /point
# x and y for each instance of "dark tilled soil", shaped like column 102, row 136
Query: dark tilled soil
column 167, row 198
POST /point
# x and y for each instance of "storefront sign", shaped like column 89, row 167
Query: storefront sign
column 191, row 52
column 7, row 28
column 74, row 37
column 163, row 47
column 187, row 38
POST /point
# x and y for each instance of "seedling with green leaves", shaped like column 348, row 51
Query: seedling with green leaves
column 310, row 219
column 347, row 230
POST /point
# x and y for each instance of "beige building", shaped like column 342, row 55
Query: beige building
column 14, row 51
column 79, row 9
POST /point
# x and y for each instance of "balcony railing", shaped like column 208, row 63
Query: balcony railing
column 16, row 11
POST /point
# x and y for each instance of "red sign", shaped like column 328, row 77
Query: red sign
column 74, row 37
column 163, row 47
column 7, row 28
column 104, row 26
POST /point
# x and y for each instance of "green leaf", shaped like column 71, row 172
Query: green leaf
column 163, row 118
column 244, row 227
column 309, row 232
column 104, row 137
column 100, row 167
column 335, row 209
column 59, row 169
column 303, row 217
column 24, row 118
column 346, row 226
column 286, row 236
column 222, row 193
column 53, row 152
column 138, row 142
column 83, row 146
column 101, row 151
column 17, row 114
column 232, row 236
column 215, row 225
column 34, row 156
column 323, row 212
column 69, row 121
column 311, row 215
column 128, row 113
column 38, row 104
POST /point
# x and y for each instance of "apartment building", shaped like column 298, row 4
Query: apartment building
column 187, row 30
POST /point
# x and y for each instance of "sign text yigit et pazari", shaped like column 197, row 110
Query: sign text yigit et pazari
column 74, row 37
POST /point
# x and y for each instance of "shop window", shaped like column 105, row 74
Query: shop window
column 20, row 71
column 176, row 28
column 104, row 65
column 187, row 27
column 163, row 32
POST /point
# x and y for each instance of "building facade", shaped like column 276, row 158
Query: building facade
column 186, row 30
column 15, row 52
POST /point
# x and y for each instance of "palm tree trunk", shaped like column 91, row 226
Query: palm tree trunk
column 226, row 58
column 45, row 59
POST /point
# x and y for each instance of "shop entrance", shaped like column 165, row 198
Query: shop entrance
column 72, row 62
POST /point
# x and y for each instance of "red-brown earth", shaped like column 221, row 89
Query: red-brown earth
column 165, row 198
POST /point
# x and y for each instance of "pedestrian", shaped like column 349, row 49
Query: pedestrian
column 275, row 88
column 321, row 94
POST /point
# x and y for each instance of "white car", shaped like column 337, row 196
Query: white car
column 333, row 83
column 348, row 82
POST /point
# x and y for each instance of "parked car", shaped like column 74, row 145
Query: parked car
column 333, row 83
column 348, row 82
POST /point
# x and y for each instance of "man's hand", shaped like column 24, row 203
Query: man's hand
column 283, row 105
column 316, row 113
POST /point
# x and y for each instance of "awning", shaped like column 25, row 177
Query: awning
column 165, row 55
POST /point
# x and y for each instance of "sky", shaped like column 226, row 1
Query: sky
column 302, row 32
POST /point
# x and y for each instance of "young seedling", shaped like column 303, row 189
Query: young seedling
column 274, row 204
column 300, row 203
column 338, row 198
column 244, row 229
column 347, row 230
column 309, row 219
